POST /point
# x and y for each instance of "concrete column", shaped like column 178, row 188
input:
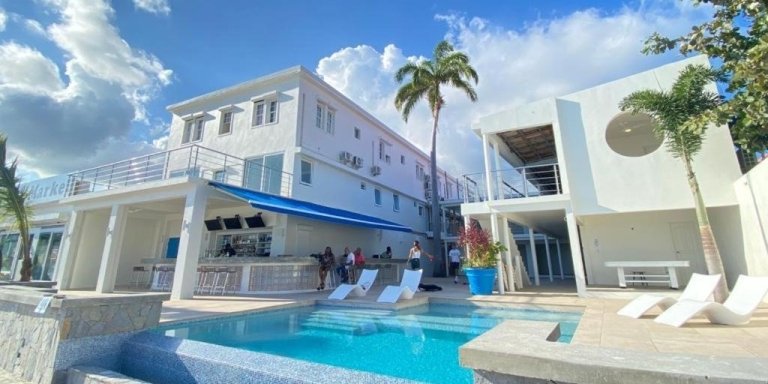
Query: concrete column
column 495, row 238
column 508, row 242
column 68, row 249
column 190, row 244
column 487, row 163
column 110, row 256
column 560, row 259
column 575, row 242
column 499, row 175
column 534, row 257
column 549, row 258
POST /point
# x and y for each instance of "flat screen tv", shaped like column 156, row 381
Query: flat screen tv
column 254, row 222
column 233, row 222
column 213, row 225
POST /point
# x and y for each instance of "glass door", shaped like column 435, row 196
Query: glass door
column 45, row 254
column 8, row 244
column 52, row 257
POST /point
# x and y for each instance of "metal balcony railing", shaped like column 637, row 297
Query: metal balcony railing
column 531, row 181
column 194, row 160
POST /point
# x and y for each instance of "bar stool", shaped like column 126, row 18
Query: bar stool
column 165, row 278
column 139, row 275
column 220, row 280
column 206, row 280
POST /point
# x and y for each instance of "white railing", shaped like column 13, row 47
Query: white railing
column 531, row 181
column 194, row 160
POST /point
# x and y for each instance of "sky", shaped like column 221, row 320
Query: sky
column 86, row 82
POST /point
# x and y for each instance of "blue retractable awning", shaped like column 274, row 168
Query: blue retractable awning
column 304, row 208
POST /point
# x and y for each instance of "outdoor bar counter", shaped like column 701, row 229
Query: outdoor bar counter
column 254, row 275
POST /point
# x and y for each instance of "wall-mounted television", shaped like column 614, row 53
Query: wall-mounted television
column 214, row 224
column 233, row 222
column 254, row 222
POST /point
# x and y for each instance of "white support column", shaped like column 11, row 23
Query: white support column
column 113, row 242
column 190, row 244
column 549, row 258
column 534, row 257
column 68, row 249
column 508, row 256
column 487, row 163
column 560, row 259
column 495, row 238
column 575, row 242
column 499, row 175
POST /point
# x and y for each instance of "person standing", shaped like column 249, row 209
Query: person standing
column 327, row 261
column 349, row 264
column 414, row 255
column 455, row 255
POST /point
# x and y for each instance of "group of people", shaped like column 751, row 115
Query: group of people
column 352, row 261
column 348, row 264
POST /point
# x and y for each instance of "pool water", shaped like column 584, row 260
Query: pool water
column 419, row 343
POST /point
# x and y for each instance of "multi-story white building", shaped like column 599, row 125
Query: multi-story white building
column 324, row 171
column 593, row 185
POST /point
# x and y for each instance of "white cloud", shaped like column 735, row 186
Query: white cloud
column 84, row 117
column 550, row 57
column 3, row 19
column 153, row 6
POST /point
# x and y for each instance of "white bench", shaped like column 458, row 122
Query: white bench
column 670, row 278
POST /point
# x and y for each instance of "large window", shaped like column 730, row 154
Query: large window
column 264, row 174
column 377, row 196
column 419, row 171
column 306, row 172
column 264, row 112
column 193, row 130
column 325, row 118
column 226, row 123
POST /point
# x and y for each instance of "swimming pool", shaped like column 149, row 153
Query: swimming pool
column 419, row 343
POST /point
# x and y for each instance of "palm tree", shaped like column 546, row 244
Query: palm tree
column 13, row 202
column 448, row 67
column 676, row 115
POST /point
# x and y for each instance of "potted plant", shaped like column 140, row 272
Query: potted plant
column 480, row 262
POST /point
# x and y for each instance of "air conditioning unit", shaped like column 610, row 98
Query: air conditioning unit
column 430, row 235
column 357, row 162
column 345, row 157
column 427, row 194
column 375, row 170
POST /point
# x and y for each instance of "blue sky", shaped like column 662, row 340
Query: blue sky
column 86, row 82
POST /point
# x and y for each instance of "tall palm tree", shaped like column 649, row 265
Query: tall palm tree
column 447, row 68
column 676, row 114
column 13, row 202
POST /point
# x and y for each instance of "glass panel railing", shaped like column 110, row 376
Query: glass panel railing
column 531, row 181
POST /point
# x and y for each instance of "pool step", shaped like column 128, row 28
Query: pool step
column 409, row 324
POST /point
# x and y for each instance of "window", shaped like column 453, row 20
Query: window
column 377, row 196
column 357, row 133
column 402, row 159
column 396, row 203
column 226, row 123
column 421, row 210
column 384, row 147
column 362, row 186
column 220, row 175
column 306, row 172
column 264, row 174
column 193, row 130
column 419, row 171
column 325, row 118
column 264, row 112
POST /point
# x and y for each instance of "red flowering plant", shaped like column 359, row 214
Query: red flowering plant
column 482, row 251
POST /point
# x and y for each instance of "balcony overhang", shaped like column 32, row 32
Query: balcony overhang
column 531, row 145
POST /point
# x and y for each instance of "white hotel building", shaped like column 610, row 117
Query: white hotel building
column 296, row 167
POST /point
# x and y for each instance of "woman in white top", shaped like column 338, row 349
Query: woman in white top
column 414, row 255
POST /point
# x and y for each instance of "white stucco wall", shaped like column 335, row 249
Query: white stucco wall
column 604, row 181
column 91, row 246
column 752, row 192
column 137, row 245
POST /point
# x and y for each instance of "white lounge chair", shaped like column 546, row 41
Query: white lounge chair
column 699, row 288
column 737, row 309
column 364, row 283
column 407, row 288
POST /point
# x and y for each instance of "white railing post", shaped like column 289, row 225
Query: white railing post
column 556, row 172
column 524, row 174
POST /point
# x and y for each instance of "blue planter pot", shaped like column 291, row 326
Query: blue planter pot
column 480, row 280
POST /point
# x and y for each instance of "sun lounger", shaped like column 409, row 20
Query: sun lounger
column 699, row 288
column 407, row 288
column 364, row 283
column 737, row 309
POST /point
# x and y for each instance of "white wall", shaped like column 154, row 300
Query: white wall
column 137, row 245
column 637, row 236
column 752, row 192
column 730, row 241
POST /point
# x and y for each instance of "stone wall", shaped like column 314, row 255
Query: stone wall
column 72, row 331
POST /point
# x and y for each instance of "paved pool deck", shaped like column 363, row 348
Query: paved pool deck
column 599, row 325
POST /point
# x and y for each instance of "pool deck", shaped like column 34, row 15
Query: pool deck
column 599, row 325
